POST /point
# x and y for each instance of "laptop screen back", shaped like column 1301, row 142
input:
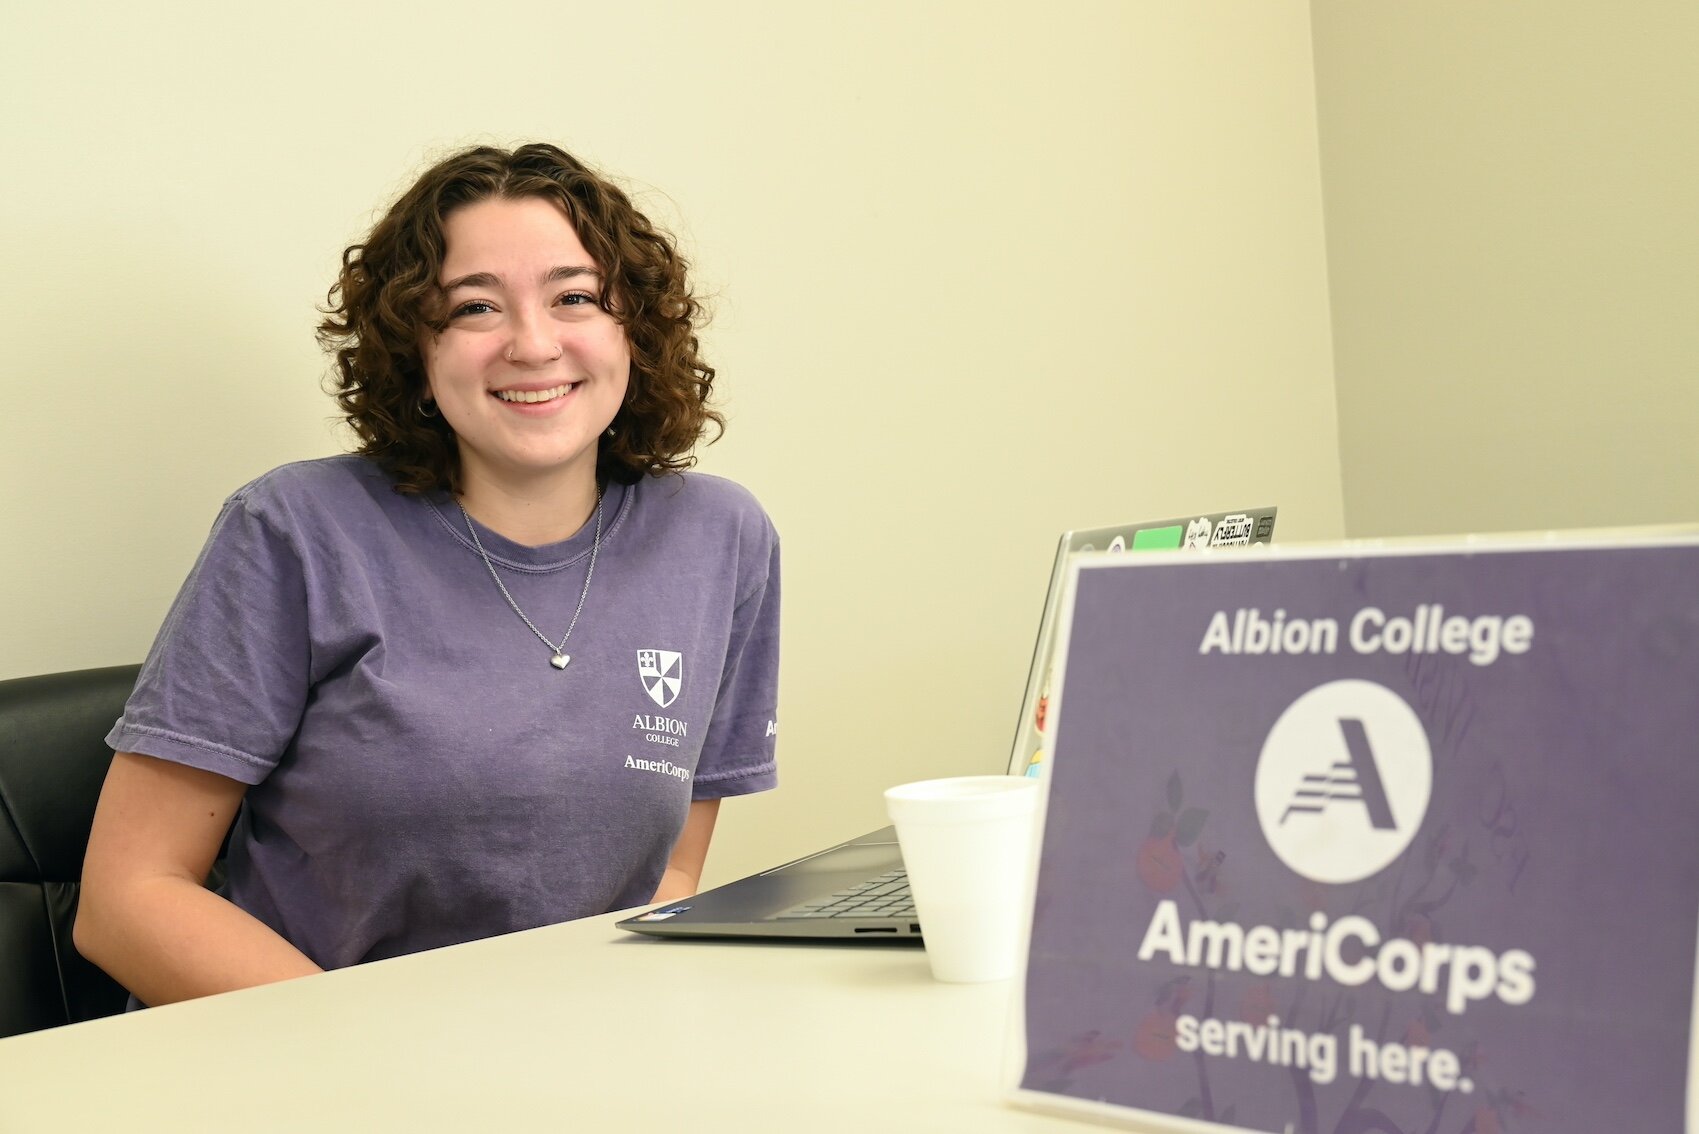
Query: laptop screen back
column 1213, row 529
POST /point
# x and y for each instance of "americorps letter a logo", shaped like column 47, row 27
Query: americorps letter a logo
column 1343, row 781
column 662, row 672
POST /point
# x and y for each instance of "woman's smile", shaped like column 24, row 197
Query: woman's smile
column 533, row 396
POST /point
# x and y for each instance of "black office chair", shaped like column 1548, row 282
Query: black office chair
column 53, row 759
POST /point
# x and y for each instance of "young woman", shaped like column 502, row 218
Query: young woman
column 494, row 670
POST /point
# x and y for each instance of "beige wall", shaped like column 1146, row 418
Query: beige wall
column 982, row 272
column 1512, row 198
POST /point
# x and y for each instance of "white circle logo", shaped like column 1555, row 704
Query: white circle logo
column 1343, row 781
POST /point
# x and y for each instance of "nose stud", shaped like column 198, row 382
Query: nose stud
column 560, row 352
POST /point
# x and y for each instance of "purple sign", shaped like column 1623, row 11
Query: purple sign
column 1381, row 844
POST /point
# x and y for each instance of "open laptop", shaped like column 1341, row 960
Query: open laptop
column 858, row 889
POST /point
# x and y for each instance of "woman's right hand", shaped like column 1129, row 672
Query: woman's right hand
column 145, row 915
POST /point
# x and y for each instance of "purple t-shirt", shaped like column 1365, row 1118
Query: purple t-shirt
column 420, row 774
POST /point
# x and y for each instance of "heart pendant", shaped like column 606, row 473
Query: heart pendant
column 560, row 660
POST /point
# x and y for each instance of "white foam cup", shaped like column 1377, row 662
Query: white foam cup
column 968, row 845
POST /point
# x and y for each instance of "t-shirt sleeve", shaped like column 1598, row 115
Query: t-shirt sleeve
column 226, row 681
column 737, row 756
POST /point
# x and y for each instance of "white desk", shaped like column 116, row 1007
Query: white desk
column 571, row 1027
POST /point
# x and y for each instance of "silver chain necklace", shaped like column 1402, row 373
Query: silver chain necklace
column 558, row 657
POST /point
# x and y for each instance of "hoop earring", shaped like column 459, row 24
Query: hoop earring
column 427, row 409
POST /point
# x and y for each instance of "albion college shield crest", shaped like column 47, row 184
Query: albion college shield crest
column 662, row 672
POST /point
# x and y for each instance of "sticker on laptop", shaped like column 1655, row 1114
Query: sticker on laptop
column 660, row 915
column 1232, row 531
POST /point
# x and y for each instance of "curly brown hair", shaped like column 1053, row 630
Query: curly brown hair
column 386, row 300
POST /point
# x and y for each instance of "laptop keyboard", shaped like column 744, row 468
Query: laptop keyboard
column 884, row 896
